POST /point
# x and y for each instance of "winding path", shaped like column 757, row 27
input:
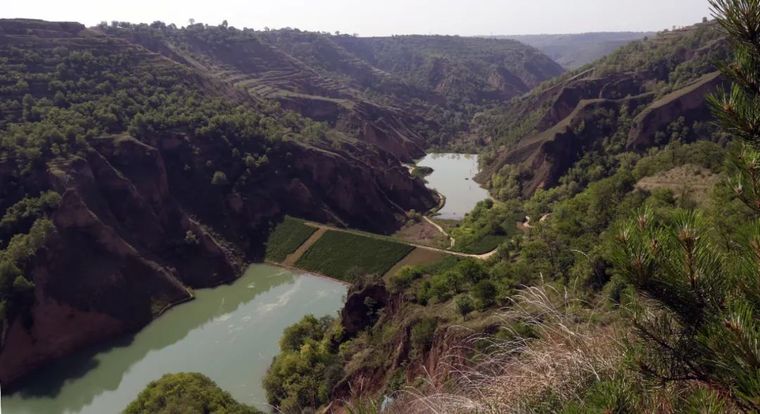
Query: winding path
column 440, row 229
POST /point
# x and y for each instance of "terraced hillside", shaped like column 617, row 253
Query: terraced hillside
column 403, row 94
column 644, row 95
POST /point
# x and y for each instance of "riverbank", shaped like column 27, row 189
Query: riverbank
column 229, row 333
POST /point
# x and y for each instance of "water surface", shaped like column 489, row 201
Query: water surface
column 229, row 333
column 453, row 177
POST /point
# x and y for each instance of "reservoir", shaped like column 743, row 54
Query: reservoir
column 229, row 333
column 453, row 177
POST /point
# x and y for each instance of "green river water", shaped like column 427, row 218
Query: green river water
column 453, row 177
column 229, row 333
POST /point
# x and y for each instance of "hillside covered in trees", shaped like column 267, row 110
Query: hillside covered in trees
column 402, row 93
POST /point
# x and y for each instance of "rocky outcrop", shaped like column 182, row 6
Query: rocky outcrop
column 387, row 128
column 608, row 87
column 362, row 304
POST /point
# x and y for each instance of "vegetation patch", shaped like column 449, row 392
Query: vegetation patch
column 688, row 182
column 487, row 226
column 347, row 256
column 483, row 245
column 286, row 237
column 417, row 257
column 422, row 171
column 186, row 393
column 308, row 366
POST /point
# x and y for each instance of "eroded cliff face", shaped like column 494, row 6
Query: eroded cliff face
column 583, row 113
column 688, row 103
column 140, row 223
column 371, row 308
column 644, row 95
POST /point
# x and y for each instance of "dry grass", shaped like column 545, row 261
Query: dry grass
column 688, row 180
column 513, row 374
column 424, row 233
column 416, row 257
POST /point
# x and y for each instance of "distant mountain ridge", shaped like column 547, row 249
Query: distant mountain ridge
column 572, row 51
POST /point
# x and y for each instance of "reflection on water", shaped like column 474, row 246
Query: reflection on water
column 229, row 333
column 453, row 177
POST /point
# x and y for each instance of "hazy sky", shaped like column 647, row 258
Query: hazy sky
column 382, row 17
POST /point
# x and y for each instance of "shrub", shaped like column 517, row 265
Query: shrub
column 484, row 293
column 402, row 279
column 422, row 172
column 307, row 368
column 422, row 335
column 219, row 179
column 309, row 328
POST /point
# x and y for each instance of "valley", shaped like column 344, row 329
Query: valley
column 241, row 321
column 205, row 218
column 453, row 176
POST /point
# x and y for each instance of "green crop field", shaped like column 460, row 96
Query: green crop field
column 286, row 237
column 346, row 256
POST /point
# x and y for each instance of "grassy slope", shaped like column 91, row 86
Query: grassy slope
column 345, row 256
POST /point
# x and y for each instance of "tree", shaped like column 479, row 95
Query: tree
column 219, row 179
column 484, row 293
column 307, row 368
column 186, row 393
column 22, row 285
column 465, row 305
column 699, row 321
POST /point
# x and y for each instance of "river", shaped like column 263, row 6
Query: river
column 453, row 177
column 229, row 333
